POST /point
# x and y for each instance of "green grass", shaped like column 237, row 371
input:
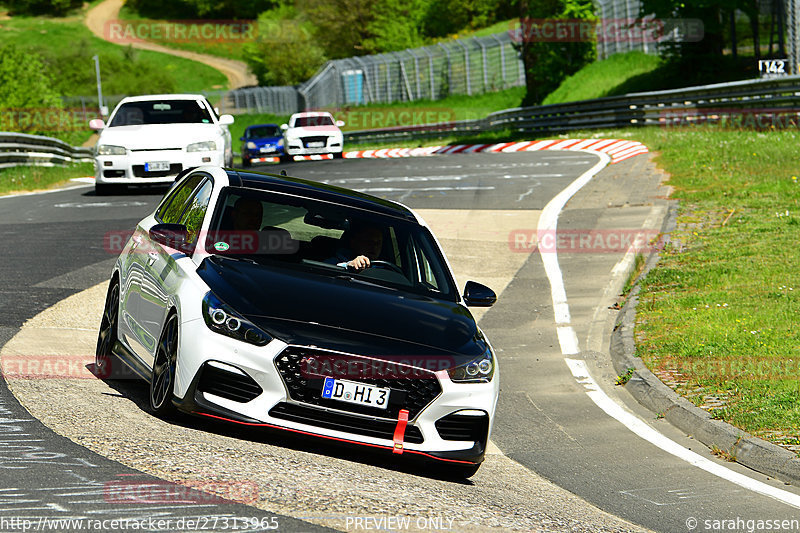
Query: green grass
column 602, row 78
column 65, row 39
column 721, row 307
column 34, row 178
column 231, row 48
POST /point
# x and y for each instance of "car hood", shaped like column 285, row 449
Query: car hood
column 310, row 309
column 314, row 130
column 159, row 136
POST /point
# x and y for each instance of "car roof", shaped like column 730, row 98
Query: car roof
column 312, row 114
column 319, row 191
column 148, row 97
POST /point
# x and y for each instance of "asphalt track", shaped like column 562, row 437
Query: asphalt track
column 546, row 420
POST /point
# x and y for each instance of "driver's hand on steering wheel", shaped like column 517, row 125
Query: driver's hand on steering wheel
column 359, row 263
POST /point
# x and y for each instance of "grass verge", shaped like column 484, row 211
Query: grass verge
column 719, row 312
column 34, row 178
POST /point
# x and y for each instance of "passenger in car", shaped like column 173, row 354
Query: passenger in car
column 360, row 244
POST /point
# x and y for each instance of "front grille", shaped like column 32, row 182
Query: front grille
column 139, row 172
column 359, row 425
column 228, row 385
column 154, row 149
column 463, row 427
column 409, row 390
column 307, row 140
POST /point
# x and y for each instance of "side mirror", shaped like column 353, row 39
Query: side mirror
column 97, row 124
column 284, row 127
column 170, row 235
column 241, row 138
column 226, row 120
column 340, row 123
column 477, row 295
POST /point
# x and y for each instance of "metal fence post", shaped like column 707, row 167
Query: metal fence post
column 430, row 71
column 466, row 65
column 449, row 70
column 483, row 57
column 502, row 58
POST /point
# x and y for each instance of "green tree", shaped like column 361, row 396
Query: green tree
column 285, row 51
column 396, row 26
column 547, row 63
column 340, row 26
column 25, row 81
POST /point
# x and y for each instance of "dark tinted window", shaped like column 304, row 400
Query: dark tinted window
column 263, row 131
column 303, row 233
column 161, row 112
column 304, row 122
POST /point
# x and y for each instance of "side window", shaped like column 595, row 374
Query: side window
column 170, row 211
column 193, row 215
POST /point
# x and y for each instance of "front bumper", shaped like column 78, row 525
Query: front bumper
column 130, row 168
column 232, row 381
column 300, row 146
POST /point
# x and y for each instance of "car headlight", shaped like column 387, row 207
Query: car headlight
column 221, row 319
column 110, row 149
column 251, row 145
column 205, row 146
column 280, row 142
column 479, row 370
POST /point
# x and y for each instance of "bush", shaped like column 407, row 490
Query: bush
column 26, row 83
column 42, row 7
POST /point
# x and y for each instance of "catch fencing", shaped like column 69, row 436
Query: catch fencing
column 469, row 66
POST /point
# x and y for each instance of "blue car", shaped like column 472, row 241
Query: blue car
column 261, row 141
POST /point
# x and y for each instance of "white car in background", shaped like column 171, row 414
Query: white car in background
column 150, row 139
column 312, row 133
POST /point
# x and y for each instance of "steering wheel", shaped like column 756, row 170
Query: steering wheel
column 387, row 265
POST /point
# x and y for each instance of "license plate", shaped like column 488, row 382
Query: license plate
column 353, row 392
column 267, row 149
column 316, row 144
column 156, row 166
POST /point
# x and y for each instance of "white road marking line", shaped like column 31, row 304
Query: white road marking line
column 569, row 346
column 640, row 428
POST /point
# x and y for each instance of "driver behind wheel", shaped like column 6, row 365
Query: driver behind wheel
column 360, row 244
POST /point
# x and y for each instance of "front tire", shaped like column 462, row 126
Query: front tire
column 162, row 382
column 245, row 162
column 105, row 362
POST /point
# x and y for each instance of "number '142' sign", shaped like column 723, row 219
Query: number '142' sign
column 773, row 67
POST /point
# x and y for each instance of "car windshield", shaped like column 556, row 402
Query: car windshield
column 280, row 230
column 259, row 132
column 305, row 122
column 161, row 112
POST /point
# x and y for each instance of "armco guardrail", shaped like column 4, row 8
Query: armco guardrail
column 759, row 101
column 23, row 149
